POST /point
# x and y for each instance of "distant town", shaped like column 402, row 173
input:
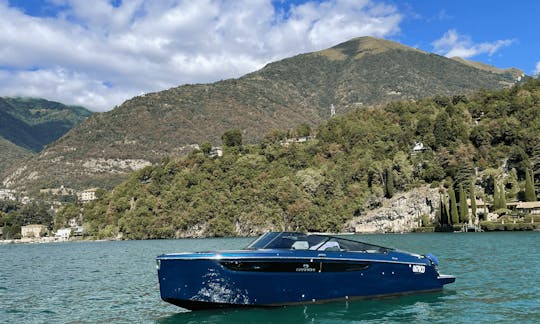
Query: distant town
column 40, row 233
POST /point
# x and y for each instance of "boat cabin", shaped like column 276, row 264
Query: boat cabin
column 318, row 242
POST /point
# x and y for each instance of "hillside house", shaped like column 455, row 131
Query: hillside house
column 529, row 207
column 34, row 230
column 7, row 194
column 289, row 141
column 418, row 148
column 87, row 195
column 62, row 191
column 216, row 151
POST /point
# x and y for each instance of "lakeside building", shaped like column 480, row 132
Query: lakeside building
column 529, row 207
column 481, row 206
column 63, row 233
column 33, row 230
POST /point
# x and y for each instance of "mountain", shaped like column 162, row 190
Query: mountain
column 361, row 72
column 11, row 153
column 510, row 72
column 28, row 124
column 33, row 123
column 362, row 171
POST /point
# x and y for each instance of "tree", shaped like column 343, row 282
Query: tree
column 232, row 138
column 441, row 129
column 502, row 198
column 444, row 216
column 463, row 208
column 530, row 195
column 440, row 211
column 454, row 216
column 206, row 148
column 472, row 196
column 535, row 164
column 303, row 130
column 389, row 185
column 496, row 197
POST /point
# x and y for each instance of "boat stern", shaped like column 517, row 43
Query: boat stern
column 446, row 279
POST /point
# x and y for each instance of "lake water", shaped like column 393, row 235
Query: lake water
column 498, row 281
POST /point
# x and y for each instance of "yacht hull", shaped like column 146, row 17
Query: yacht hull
column 275, row 278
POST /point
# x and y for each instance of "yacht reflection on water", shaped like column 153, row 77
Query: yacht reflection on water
column 424, row 307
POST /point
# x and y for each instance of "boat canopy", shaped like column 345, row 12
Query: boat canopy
column 318, row 242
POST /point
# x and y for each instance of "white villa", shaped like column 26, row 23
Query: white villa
column 87, row 195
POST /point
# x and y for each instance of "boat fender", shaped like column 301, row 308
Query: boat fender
column 432, row 258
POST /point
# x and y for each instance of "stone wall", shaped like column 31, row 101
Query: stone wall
column 401, row 213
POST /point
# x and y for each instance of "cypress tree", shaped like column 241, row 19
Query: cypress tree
column 535, row 164
column 447, row 211
column 389, row 183
column 496, row 197
column 530, row 195
column 502, row 199
column 454, row 216
column 442, row 211
column 463, row 208
column 473, row 200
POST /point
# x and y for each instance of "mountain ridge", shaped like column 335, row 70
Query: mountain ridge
column 27, row 125
column 362, row 72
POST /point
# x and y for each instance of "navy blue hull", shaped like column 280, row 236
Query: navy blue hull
column 273, row 278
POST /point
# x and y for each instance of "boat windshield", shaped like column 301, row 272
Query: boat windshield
column 301, row 241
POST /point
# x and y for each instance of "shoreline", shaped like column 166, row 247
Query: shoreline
column 42, row 240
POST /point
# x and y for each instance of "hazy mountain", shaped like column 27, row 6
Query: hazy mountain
column 28, row 124
column 361, row 72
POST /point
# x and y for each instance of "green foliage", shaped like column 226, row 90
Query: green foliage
column 497, row 197
column 33, row 123
column 64, row 214
column 472, row 196
column 502, row 192
column 463, row 208
column 320, row 184
column 206, row 148
column 444, row 215
column 13, row 215
column 232, row 138
column 389, row 187
column 302, row 130
column 454, row 215
column 530, row 194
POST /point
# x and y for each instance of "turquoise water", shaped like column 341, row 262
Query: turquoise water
column 498, row 281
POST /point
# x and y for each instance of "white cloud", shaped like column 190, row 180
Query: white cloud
column 98, row 55
column 537, row 70
column 453, row 44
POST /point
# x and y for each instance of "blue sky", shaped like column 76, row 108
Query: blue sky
column 100, row 53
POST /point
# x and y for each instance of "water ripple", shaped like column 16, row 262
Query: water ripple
column 89, row 282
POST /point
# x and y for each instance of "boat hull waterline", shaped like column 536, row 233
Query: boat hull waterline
column 277, row 277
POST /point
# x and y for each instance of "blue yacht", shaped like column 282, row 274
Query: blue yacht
column 286, row 268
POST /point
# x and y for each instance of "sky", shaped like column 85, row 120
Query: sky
column 99, row 53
